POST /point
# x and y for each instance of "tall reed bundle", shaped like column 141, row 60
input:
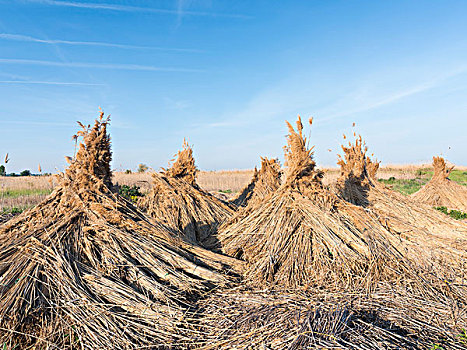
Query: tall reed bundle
column 304, row 235
column 441, row 191
column 264, row 181
column 179, row 203
column 85, row 269
column 357, row 184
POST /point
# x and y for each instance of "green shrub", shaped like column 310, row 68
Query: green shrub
column 12, row 210
column 130, row 193
column 455, row 214
column 142, row 168
column 2, row 170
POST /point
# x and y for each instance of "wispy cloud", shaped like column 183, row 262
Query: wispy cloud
column 374, row 102
column 378, row 102
column 116, row 66
column 26, row 38
column 128, row 8
column 32, row 82
column 177, row 104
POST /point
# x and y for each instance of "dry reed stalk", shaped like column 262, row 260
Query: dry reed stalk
column 264, row 181
column 179, row 203
column 85, row 269
column 444, row 237
column 441, row 191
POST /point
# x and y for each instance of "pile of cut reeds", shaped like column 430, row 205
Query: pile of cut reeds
column 443, row 237
column 179, row 203
column 441, row 191
column 304, row 235
column 323, row 272
column 85, row 269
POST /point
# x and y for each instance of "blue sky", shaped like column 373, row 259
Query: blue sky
column 226, row 74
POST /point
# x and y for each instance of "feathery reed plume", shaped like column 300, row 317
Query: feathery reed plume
column 179, row 203
column 6, row 159
column 441, row 191
column 86, row 269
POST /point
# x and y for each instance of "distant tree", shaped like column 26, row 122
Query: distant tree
column 142, row 168
column 25, row 173
column 2, row 170
column 128, row 171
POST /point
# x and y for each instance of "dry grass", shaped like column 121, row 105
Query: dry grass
column 211, row 181
column 27, row 182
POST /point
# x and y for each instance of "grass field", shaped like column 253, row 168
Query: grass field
column 19, row 193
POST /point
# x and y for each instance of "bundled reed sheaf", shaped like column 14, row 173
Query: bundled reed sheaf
column 304, row 235
column 179, row 203
column 441, row 191
column 85, row 269
column 437, row 233
column 264, row 181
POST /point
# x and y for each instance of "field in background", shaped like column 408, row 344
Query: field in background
column 19, row 193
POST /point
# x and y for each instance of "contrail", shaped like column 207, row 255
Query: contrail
column 26, row 38
column 134, row 67
column 128, row 8
column 47, row 82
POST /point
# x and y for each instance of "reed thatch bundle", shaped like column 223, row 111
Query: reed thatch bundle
column 437, row 233
column 304, row 235
column 85, row 269
column 440, row 191
column 264, row 181
column 179, row 203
